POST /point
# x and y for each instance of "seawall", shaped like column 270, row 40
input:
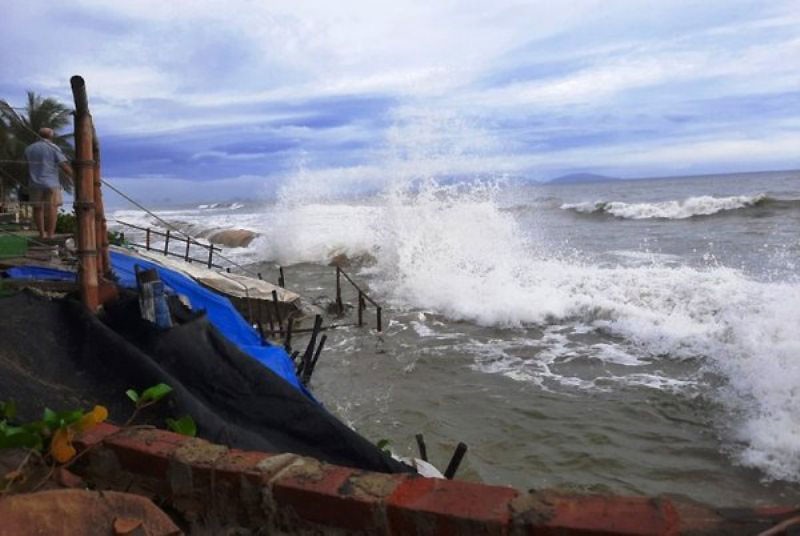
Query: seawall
column 211, row 488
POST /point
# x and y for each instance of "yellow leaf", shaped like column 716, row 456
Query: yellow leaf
column 61, row 446
column 93, row 418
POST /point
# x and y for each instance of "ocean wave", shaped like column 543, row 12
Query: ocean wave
column 466, row 259
column 221, row 206
column 672, row 210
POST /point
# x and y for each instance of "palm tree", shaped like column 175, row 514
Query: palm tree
column 17, row 131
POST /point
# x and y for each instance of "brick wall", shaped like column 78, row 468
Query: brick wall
column 212, row 488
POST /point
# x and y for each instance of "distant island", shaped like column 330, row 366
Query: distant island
column 574, row 178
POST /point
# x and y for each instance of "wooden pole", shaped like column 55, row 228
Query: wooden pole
column 278, row 319
column 287, row 342
column 455, row 461
column 101, row 228
column 309, row 354
column 84, row 197
column 423, row 450
column 316, row 357
column 339, row 303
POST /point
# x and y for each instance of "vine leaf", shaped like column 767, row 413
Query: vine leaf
column 154, row 393
column 184, row 426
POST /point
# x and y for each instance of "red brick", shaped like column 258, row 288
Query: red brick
column 94, row 435
column 239, row 463
column 599, row 515
column 312, row 491
column 145, row 452
column 435, row 506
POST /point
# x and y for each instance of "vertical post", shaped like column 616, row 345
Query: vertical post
column 166, row 243
column 380, row 324
column 188, row 243
column 360, row 309
column 423, row 450
column 316, row 355
column 287, row 342
column 281, row 279
column 455, row 461
column 210, row 255
column 250, row 316
column 147, row 239
column 84, row 197
column 278, row 319
column 309, row 354
column 101, row 230
column 339, row 290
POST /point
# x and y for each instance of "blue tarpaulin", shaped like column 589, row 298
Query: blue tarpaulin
column 219, row 309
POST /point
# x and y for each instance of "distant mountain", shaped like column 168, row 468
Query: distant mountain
column 574, row 178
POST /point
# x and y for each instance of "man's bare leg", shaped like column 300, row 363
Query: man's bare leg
column 51, row 217
column 38, row 220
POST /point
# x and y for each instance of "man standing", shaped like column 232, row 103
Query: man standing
column 44, row 160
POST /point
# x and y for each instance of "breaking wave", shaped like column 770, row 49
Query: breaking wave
column 459, row 255
column 673, row 210
column 455, row 252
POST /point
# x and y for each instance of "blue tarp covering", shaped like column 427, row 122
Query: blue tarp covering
column 40, row 274
column 219, row 309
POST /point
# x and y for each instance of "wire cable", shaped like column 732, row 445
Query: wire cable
column 170, row 226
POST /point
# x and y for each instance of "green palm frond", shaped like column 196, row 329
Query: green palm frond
column 19, row 130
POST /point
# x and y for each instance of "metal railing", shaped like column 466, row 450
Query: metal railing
column 168, row 236
column 275, row 320
column 363, row 298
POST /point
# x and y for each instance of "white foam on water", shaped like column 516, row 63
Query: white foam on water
column 457, row 254
column 452, row 251
column 672, row 210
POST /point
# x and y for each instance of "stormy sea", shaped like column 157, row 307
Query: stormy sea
column 636, row 336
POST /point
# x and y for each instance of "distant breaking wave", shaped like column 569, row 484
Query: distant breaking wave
column 705, row 205
column 211, row 206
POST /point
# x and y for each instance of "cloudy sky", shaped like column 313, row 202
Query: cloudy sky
column 211, row 99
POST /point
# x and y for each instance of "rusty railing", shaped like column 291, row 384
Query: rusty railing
column 149, row 233
column 363, row 298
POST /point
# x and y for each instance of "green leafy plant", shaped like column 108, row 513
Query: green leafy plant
column 150, row 395
column 52, row 434
column 66, row 223
column 383, row 445
column 184, row 426
column 49, row 439
column 117, row 238
column 146, row 398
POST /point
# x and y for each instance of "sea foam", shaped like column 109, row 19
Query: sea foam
column 461, row 256
column 671, row 210
column 455, row 252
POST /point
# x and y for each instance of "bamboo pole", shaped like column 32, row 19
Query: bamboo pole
column 84, row 197
column 101, row 228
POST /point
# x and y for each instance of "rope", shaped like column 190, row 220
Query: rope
column 170, row 226
column 132, row 201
